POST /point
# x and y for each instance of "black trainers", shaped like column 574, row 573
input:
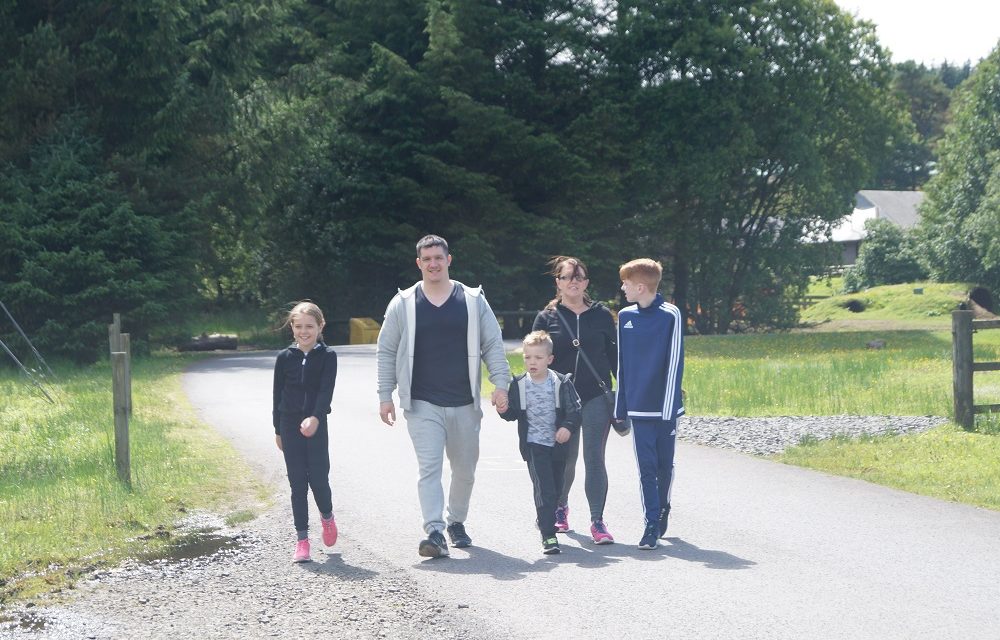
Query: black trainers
column 664, row 517
column 434, row 546
column 459, row 538
column 649, row 537
column 550, row 546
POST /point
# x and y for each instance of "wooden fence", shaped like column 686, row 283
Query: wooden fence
column 964, row 365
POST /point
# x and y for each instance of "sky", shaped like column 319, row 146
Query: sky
column 932, row 31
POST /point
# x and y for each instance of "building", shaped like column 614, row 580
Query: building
column 899, row 207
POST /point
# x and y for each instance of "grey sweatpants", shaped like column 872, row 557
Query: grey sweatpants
column 436, row 431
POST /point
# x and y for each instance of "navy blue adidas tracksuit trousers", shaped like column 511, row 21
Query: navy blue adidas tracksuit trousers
column 654, row 442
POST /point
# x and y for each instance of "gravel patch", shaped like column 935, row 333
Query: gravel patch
column 246, row 586
column 768, row 436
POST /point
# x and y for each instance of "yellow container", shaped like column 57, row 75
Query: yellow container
column 364, row 331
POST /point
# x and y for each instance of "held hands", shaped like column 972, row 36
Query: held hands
column 562, row 435
column 622, row 427
column 499, row 400
column 387, row 411
column 309, row 426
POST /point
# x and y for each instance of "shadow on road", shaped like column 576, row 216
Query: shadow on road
column 491, row 563
column 710, row 558
column 333, row 565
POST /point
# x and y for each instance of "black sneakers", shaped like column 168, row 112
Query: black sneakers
column 664, row 517
column 550, row 546
column 434, row 546
column 459, row 538
column 649, row 537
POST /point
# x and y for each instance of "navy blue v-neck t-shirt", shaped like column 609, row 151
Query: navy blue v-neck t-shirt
column 440, row 351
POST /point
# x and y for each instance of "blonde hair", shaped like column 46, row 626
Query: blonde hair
column 308, row 308
column 538, row 339
column 643, row 270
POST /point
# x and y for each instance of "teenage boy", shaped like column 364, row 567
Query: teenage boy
column 650, row 367
column 432, row 341
column 547, row 409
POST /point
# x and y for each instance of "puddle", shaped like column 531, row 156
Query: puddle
column 199, row 545
column 24, row 622
column 197, row 536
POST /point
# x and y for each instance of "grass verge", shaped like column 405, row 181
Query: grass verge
column 946, row 462
column 62, row 507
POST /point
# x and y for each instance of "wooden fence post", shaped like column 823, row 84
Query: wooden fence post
column 961, row 338
column 126, row 344
column 115, row 334
column 118, row 373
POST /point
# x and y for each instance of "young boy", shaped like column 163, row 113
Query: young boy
column 650, row 366
column 547, row 409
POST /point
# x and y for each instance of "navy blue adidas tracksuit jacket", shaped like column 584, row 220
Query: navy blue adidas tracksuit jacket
column 650, row 368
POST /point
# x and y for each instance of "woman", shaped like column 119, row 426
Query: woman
column 593, row 325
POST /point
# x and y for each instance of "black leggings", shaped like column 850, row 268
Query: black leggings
column 307, row 461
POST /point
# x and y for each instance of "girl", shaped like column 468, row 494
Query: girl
column 304, row 375
column 592, row 327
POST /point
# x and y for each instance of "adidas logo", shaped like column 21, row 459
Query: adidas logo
column 628, row 325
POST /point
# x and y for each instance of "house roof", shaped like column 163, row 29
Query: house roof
column 898, row 207
column 895, row 206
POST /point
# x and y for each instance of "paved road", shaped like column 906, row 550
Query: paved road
column 758, row 549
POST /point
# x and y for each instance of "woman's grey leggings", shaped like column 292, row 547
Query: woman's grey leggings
column 595, row 428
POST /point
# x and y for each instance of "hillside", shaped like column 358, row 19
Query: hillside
column 920, row 305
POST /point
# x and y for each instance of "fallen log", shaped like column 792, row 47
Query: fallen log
column 213, row 342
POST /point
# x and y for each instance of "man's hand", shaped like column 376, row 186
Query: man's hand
column 308, row 426
column 562, row 435
column 387, row 411
column 277, row 441
column 499, row 400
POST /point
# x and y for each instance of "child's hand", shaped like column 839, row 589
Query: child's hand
column 499, row 400
column 277, row 441
column 562, row 435
column 309, row 426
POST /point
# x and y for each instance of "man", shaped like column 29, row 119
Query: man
column 432, row 341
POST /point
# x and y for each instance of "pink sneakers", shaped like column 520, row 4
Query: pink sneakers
column 562, row 519
column 329, row 531
column 301, row 551
column 599, row 532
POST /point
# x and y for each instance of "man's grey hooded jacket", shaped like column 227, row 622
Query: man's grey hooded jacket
column 396, row 339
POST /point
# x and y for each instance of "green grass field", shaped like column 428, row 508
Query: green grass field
column 61, row 504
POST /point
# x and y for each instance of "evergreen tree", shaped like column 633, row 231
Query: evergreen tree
column 78, row 251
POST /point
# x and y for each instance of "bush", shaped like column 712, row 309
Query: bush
column 887, row 256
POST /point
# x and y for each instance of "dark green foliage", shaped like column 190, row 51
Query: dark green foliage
column 751, row 128
column 961, row 215
column 923, row 104
column 80, row 251
column 299, row 148
column 888, row 255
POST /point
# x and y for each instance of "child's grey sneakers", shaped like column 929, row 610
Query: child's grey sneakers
column 434, row 546
column 459, row 538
